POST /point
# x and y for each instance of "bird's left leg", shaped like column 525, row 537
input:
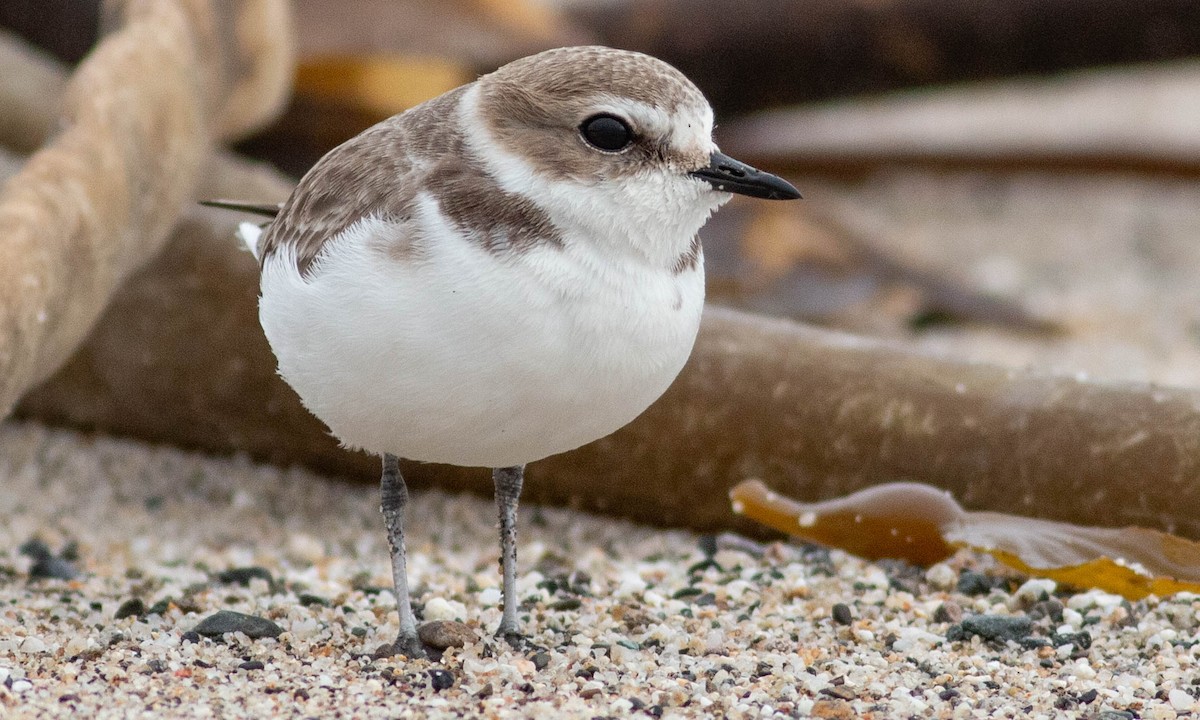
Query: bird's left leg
column 508, row 492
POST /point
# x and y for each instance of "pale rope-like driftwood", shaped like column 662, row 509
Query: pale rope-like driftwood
column 138, row 120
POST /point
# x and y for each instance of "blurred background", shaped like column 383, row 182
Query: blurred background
column 1010, row 180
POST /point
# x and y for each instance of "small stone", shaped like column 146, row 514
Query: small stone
column 156, row 666
column 441, row 609
column 441, row 679
column 540, row 660
column 973, row 583
column 948, row 612
column 841, row 692
column 1081, row 640
column 1180, row 700
column 20, row 686
column 941, row 576
column 45, row 563
column 243, row 575
column 842, row 615
column 358, row 631
column 1033, row 591
column 442, row 634
column 308, row 600
column 833, row 710
column 995, row 627
column 1052, row 609
column 33, row 645
column 227, row 621
column 1089, row 696
column 132, row 607
column 191, row 636
column 1115, row 715
column 591, row 689
column 252, row 665
column 567, row 604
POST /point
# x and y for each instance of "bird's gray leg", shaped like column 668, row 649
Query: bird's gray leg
column 394, row 496
column 508, row 491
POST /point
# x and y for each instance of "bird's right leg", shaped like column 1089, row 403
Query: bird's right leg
column 394, row 496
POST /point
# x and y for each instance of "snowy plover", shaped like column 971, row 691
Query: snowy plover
column 505, row 272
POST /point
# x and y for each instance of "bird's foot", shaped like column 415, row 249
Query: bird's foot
column 516, row 639
column 409, row 646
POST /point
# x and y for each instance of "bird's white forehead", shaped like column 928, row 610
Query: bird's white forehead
column 686, row 127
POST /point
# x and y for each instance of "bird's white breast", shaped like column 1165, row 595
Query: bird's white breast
column 463, row 356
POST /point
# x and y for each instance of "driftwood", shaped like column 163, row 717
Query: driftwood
column 179, row 357
column 1141, row 117
column 139, row 117
column 785, row 51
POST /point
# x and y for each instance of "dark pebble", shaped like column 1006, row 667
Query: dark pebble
column 1115, row 715
column 191, row 636
column 973, row 583
column 308, row 600
column 132, row 607
column 1052, row 609
column 441, row 679
column 1033, row 642
column 686, row 592
column 708, row 545
column 706, row 599
column 251, row 665
column 243, row 575
column 358, row 631
column 567, row 604
column 840, row 692
column 842, row 615
column 991, row 627
column 948, row 694
column 160, row 607
column 45, row 563
column 540, row 660
column 1089, row 696
column 69, row 697
column 948, row 612
column 226, row 621
column 1081, row 640
column 157, row 666
column 442, row 634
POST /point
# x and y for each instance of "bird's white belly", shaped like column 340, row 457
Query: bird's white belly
column 469, row 358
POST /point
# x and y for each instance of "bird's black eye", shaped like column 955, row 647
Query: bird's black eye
column 606, row 132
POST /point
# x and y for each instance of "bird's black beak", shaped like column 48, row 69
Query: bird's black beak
column 729, row 175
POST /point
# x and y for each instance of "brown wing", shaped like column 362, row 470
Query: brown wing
column 377, row 172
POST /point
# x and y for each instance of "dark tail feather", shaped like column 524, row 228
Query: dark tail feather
column 267, row 209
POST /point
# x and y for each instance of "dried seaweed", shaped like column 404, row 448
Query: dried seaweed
column 924, row 525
